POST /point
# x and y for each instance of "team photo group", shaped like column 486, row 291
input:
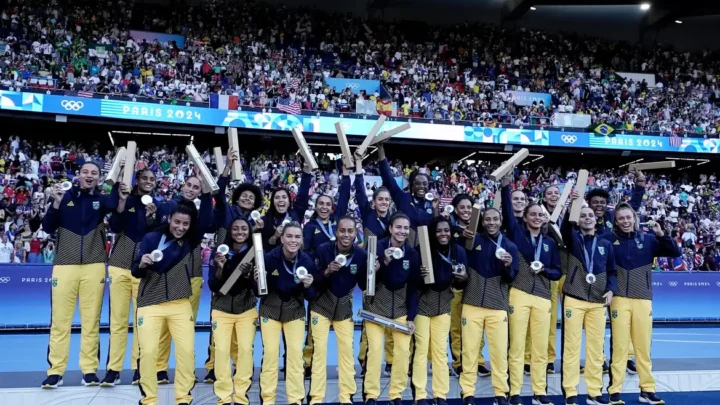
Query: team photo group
column 438, row 281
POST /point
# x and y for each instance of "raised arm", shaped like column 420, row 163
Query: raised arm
column 664, row 246
column 509, row 221
column 360, row 193
column 567, row 231
column 303, row 196
column 344, row 196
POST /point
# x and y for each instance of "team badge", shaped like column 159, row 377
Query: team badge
column 546, row 248
column 275, row 273
column 109, row 280
column 192, row 319
column 54, row 282
column 617, row 243
column 406, row 264
column 608, row 224
column 512, row 309
column 214, row 325
column 140, row 321
column 96, row 205
column 568, row 314
column 131, row 209
column 601, row 249
column 505, row 320
column 71, row 204
column 265, row 319
column 353, row 268
column 464, row 321
column 315, row 320
column 614, row 313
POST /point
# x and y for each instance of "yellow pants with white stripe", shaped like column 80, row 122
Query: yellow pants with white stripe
column 494, row 322
column 294, row 333
column 164, row 340
column 400, row 361
column 431, row 337
column 556, row 288
column 456, row 306
column 86, row 281
column 123, row 290
column 344, row 331
column 176, row 317
column 226, row 328
column 577, row 315
column 526, row 308
column 630, row 320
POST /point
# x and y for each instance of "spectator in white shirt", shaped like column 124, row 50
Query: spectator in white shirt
column 6, row 250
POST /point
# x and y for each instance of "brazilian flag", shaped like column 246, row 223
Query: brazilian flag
column 604, row 129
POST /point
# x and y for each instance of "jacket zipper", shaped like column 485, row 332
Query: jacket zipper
column 627, row 275
column 82, row 225
column 482, row 301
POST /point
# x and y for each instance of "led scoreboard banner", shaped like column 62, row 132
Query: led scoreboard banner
column 422, row 131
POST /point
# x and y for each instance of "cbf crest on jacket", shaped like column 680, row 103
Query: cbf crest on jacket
column 80, row 225
column 634, row 256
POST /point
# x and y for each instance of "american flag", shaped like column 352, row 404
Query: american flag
column 81, row 93
column 295, row 83
column 675, row 140
column 290, row 107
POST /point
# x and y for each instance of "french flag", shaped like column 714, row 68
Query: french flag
column 223, row 102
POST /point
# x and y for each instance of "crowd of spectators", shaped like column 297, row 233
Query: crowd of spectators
column 265, row 54
column 688, row 206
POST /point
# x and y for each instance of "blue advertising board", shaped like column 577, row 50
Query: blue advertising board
column 25, row 297
column 420, row 131
column 356, row 85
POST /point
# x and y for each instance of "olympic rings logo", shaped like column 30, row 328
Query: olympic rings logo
column 569, row 138
column 4, row 280
column 673, row 283
column 353, row 86
column 72, row 105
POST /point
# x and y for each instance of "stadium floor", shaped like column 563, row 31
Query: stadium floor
column 689, row 349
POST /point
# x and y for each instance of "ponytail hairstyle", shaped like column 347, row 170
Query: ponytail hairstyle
column 292, row 224
column 456, row 201
column 348, row 218
column 396, row 216
column 98, row 187
column 432, row 231
column 228, row 235
column 137, row 178
column 332, row 203
column 544, row 200
column 380, row 190
column 625, row 206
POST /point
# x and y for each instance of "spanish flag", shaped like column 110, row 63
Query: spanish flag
column 604, row 129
